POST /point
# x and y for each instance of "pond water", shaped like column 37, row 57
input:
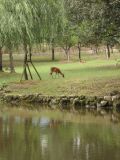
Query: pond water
column 42, row 137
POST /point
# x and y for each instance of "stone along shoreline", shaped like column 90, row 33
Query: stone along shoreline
column 109, row 102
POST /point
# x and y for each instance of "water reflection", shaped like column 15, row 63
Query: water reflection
column 42, row 138
column 44, row 144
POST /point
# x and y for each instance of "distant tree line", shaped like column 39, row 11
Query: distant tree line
column 92, row 22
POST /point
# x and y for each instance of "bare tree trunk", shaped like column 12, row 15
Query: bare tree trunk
column 95, row 50
column 79, row 50
column 53, row 53
column 1, row 66
column 25, row 62
column 30, row 52
column 67, row 52
column 108, row 51
column 12, row 69
column 68, row 56
column 53, row 50
column 111, row 48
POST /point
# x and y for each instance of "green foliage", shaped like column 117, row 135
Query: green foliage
column 30, row 20
column 35, row 21
column 96, row 21
column 69, row 37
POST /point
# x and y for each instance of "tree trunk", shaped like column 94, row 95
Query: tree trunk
column 79, row 50
column 12, row 69
column 68, row 56
column 111, row 48
column 53, row 53
column 96, row 49
column 53, row 50
column 1, row 66
column 108, row 51
column 67, row 52
column 30, row 53
column 25, row 61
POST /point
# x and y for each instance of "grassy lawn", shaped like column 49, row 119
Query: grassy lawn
column 95, row 77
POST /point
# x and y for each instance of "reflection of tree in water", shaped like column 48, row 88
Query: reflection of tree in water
column 6, row 136
column 10, row 128
column 54, row 123
column 45, row 139
column 94, row 142
column 35, row 138
column 32, row 142
column 44, row 144
column 27, row 133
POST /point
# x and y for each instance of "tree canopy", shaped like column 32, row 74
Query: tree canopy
column 71, row 22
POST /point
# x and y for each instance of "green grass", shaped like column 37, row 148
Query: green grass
column 95, row 77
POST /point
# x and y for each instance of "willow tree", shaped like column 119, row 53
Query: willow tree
column 50, row 24
column 1, row 46
column 8, row 31
column 1, row 37
column 33, row 21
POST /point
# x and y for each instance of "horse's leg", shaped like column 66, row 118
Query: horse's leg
column 52, row 75
column 55, row 74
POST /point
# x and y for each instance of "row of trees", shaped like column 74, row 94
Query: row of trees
column 93, row 22
column 63, row 23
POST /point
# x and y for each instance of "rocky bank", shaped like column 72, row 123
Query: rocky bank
column 108, row 102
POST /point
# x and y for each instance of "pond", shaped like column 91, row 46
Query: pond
column 28, row 135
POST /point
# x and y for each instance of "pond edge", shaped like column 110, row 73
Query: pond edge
column 108, row 102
